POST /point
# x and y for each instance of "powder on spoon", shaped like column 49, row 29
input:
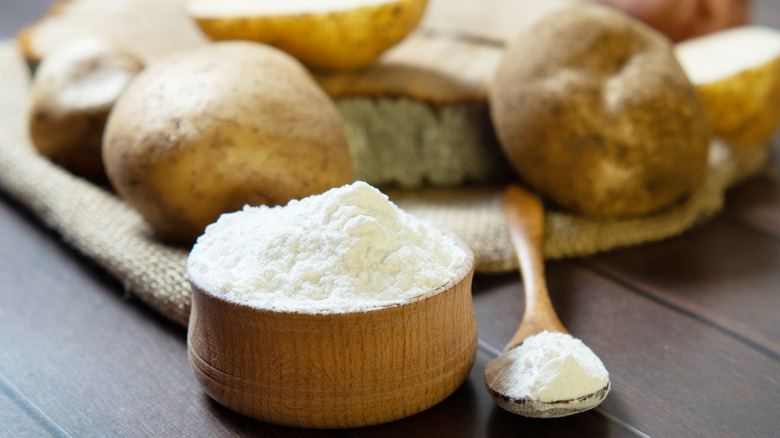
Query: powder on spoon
column 348, row 249
column 547, row 367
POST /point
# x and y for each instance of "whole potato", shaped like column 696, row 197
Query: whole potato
column 206, row 131
column 593, row 110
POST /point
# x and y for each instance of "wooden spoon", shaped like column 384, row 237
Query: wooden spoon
column 525, row 219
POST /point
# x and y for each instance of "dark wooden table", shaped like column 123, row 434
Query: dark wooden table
column 688, row 328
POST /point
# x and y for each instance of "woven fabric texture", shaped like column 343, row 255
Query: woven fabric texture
column 97, row 223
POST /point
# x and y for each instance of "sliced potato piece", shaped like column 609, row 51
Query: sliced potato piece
column 147, row 29
column 737, row 74
column 72, row 93
column 324, row 34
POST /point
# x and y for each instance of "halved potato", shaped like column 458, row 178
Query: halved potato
column 737, row 74
column 593, row 110
column 147, row 29
column 325, row 34
column 72, row 93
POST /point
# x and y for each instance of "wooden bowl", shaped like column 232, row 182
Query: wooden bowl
column 335, row 370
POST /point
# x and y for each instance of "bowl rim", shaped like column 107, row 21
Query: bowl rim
column 463, row 272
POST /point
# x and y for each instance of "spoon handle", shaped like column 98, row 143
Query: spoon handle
column 525, row 220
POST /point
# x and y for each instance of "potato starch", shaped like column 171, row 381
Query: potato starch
column 348, row 249
column 548, row 367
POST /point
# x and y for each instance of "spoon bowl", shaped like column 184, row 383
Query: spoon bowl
column 554, row 409
column 525, row 220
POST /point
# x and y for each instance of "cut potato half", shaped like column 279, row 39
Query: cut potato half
column 335, row 34
column 71, row 95
column 147, row 29
column 737, row 74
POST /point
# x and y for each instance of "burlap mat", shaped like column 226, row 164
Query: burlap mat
column 105, row 229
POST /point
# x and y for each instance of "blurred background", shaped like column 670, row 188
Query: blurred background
column 15, row 14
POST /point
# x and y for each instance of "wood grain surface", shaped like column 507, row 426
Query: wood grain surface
column 687, row 327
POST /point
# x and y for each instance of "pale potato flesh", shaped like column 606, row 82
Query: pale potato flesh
column 72, row 93
column 147, row 29
column 718, row 55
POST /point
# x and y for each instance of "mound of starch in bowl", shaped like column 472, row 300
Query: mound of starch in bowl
column 348, row 249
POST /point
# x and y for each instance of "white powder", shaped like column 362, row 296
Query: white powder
column 348, row 249
column 547, row 367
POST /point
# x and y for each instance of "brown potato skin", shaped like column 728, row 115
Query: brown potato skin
column 71, row 140
column 593, row 110
column 206, row 131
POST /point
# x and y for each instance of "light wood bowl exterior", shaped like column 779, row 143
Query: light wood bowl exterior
column 335, row 370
